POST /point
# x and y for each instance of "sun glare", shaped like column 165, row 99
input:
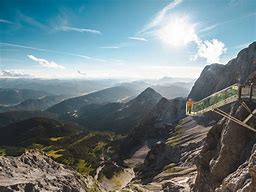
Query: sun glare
column 177, row 32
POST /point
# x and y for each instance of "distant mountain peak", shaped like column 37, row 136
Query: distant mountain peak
column 149, row 89
column 149, row 92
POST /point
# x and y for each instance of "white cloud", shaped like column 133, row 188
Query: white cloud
column 9, row 50
column 160, row 16
column 81, row 73
column 208, row 28
column 110, row 47
column 81, row 30
column 46, row 63
column 211, row 50
column 31, row 21
column 177, row 31
column 234, row 2
column 113, row 71
column 50, row 51
column 138, row 38
column 22, row 46
column 6, row 21
column 143, row 72
column 234, row 19
column 170, row 28
column 14, row 74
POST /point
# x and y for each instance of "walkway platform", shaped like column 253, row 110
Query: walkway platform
column 226, row 96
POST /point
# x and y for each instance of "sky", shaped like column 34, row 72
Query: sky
column 135, row 39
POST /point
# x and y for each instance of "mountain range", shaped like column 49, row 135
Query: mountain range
column 118, row 117
column 15, row 96
column 108, row 95
column 134, row 140
column 35, row 104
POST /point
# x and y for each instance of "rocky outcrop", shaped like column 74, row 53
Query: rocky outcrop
column 113, row 177
column 155, row 126
column 223, row 155
column 180, row 149
column 243, row 179
column 169, row 165
column 34, row 171
column 227, row 146
column 217, row 76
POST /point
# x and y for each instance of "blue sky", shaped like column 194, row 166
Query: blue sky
column 121, row 39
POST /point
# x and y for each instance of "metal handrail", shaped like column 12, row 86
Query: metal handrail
column 223, row 97
column 214, row 99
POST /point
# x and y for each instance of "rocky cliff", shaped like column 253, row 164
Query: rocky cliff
column 199, row 154
column 34, row 171
column 226, row 161
column 169, row 165
column 226, row 152
column 155, row 126
column 217, row 76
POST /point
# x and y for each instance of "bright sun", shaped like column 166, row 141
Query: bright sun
column 177, row 32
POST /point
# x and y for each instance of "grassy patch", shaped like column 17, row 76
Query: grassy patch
column 48, row 148
column 88, row 136
column 100, row 145
column 170, row 166
column 55, row 153
column 81, row 151
column 56, row 139
column 83, row 167
column 13, row 150
column 2, row 152
column 175, row 169
column 175, row 138
column 36, row 146
column 117, row 182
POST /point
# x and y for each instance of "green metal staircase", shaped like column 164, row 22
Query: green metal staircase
column 226, row 96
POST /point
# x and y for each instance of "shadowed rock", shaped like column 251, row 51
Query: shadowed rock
column 34, row 171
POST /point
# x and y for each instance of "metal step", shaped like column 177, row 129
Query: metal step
column 249, row 116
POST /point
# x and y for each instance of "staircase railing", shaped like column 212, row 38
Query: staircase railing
column 228, row 95
column 220, row 98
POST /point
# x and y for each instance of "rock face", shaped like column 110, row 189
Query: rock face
column 180, row 148
column 34, row 171
column 223, row 163
column 227, row 146
column 243, row 179
column 155, row 126
column 224, row 159
column 217, row 76
column 169, row 165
